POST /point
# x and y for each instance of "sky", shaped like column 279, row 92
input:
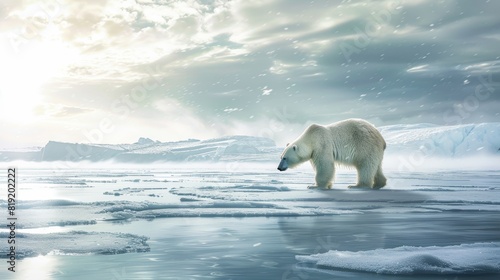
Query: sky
column 113, row 71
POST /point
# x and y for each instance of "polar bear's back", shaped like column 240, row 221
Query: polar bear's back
column 354, row 140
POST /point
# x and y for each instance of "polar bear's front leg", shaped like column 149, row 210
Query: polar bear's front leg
column 324, row 175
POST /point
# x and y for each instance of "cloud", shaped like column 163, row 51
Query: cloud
column 234, row 66
column 59, row 111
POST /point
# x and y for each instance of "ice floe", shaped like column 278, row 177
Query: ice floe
column 75, row 243
column 475, row 258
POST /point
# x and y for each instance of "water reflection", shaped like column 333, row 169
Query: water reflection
column 40, row 268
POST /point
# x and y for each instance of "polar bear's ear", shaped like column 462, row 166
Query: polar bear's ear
column 294, row 147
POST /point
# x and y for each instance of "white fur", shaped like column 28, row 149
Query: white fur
column 352, row 142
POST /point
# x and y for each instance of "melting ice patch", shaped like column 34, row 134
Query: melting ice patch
column 476, row 258
column 76, row 243
column 146, row 210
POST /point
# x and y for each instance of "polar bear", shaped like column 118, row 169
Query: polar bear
column 352, row 142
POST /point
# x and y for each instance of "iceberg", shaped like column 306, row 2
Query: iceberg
column 443, row 141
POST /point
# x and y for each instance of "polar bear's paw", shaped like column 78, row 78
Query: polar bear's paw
column 358, row 187
column 318, row 188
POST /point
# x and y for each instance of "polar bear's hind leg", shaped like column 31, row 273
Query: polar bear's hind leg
column 366, row 174
column 380, row 179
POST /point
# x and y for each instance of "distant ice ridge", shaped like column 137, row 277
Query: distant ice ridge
column 476, row 258
column 427, row 139
column 444, row 141
column 230, row 148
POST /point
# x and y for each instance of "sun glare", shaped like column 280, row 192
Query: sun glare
column 24, row 72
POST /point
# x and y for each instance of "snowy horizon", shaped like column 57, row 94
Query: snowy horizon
column 96, row 139
column 406, row 145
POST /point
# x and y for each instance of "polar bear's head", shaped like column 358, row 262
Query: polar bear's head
column 293, row 155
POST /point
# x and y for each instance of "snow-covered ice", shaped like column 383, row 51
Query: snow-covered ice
column 424, row 221
column 476, row 258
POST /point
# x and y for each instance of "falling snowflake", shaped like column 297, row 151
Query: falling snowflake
column 266, row 91
column 230, row 110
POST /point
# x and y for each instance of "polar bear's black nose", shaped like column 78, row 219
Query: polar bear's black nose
column 283, row 165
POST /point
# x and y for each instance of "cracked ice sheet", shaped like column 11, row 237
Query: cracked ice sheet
column 57, row 201
column 153, row 193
